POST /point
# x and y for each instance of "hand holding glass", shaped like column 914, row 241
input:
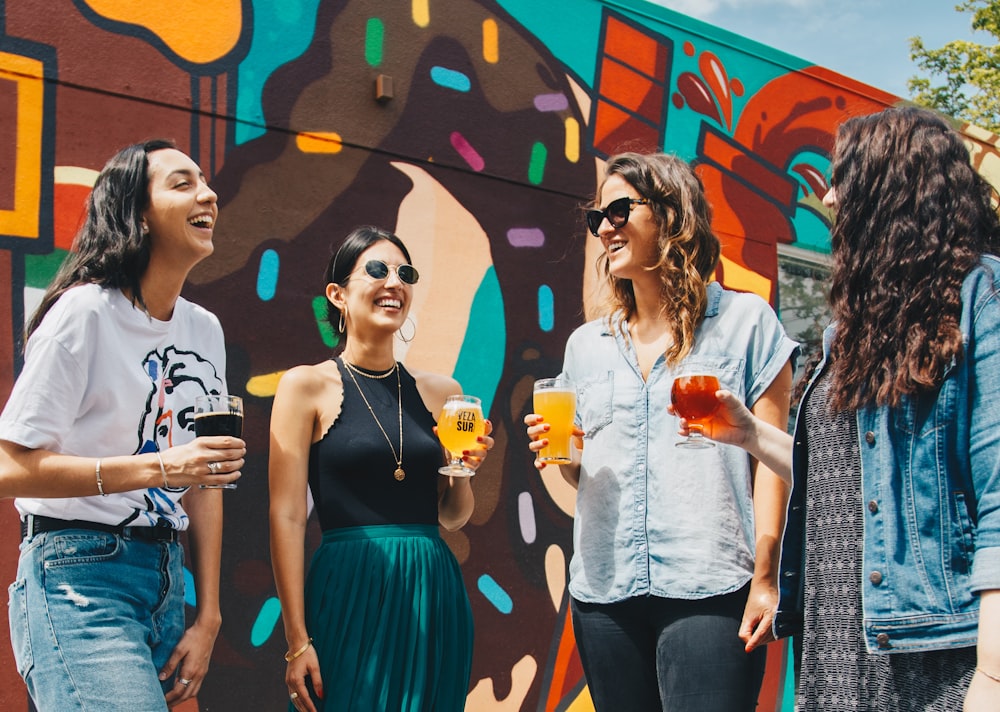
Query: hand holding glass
column 459, row 428
column 693, row 398
column 555, row 401
column 216, row 414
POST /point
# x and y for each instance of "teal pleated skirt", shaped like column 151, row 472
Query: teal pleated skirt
column 390, row 620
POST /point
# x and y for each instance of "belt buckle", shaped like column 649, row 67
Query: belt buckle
column 29, row 526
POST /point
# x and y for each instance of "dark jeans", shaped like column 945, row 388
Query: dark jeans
column 652, row 653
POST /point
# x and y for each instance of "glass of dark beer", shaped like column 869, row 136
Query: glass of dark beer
column 216, row 414
column 693, row 398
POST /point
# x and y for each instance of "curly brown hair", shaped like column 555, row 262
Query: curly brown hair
column 912, row 220
column 688, row 249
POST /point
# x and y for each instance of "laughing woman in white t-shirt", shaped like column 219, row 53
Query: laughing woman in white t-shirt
column 97, row 446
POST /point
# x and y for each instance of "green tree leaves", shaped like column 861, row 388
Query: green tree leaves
column 970, row 72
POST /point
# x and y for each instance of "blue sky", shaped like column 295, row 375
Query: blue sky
column 867, row 40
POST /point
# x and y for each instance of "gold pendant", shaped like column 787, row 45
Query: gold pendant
column 399, row 474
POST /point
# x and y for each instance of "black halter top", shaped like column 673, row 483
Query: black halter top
column 351, row 467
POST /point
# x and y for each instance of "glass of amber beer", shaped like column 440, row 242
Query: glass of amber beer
column 459, row 428
column 216, row 414
column 555, row 401
column 693, row 398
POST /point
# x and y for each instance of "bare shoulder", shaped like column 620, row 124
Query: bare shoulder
column 308, row 380
column 434, row 388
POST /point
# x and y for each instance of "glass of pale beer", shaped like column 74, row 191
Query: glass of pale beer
column 216, row 414
column 693, row 398
column 555, row 401
column 459, row 428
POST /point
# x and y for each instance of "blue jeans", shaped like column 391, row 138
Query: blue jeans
column 93, row 617
column 652, row 653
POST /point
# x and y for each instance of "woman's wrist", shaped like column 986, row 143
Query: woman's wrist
column 297, row 652
column 990, row 675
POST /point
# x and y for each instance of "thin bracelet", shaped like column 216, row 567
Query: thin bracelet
column 100, row 482
column 163, row 470
column 992, row 677
column 289, row 657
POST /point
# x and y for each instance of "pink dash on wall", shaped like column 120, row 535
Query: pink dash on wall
column 525, row 237
column 467, row 152
column 551, row 102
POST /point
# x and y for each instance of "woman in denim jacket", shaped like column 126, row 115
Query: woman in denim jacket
column 673, row 578
column 890, row 561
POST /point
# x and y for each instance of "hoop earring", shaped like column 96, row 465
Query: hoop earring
column 341, row 327
column 413, row 331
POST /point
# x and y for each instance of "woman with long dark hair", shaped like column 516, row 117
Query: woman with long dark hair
column 383, row 621
column 891, row 564
column 673, row 574
column 97, row 445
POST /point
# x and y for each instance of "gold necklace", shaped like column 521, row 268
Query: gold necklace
column 366, row 374
column 399, row 474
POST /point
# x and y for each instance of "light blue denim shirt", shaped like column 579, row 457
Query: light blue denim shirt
column 651, row 518
column 930, row 473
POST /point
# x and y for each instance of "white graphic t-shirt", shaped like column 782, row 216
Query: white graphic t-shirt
column 102, row 378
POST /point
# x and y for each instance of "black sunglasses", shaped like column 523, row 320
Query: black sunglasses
column 617, row 214
column 377, row 269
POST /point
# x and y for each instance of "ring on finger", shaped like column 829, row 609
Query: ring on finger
column 214, row 467
column 294, row 696
column 184, row 681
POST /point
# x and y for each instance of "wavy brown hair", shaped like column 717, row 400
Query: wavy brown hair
column 912, row 220
column 688, row 249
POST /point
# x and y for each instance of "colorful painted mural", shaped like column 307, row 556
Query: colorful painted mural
column 475, row 129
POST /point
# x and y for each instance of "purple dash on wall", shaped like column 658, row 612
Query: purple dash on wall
column 551, row 102
column 525, row 237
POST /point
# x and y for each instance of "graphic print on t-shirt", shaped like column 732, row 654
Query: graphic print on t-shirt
column 175, row 378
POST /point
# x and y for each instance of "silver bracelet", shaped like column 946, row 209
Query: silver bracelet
column 163, row 470
column 100, row 482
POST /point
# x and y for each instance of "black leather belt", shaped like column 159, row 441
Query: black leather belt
column 35, row 524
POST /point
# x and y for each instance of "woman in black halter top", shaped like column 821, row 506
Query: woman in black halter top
column 383, row 618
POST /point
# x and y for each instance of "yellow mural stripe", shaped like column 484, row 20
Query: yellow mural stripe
column 491, row 41
column 319, row 142
column 745, row 280
column 421, row 13
column 27, row 73
column 572, row 127
column 75, row 175
column 265, row 385
column 583, row 702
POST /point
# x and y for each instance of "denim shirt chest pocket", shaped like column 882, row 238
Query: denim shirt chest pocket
column 594, row 403
column 729, row 371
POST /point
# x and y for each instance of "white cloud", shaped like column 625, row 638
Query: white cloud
column 706, row 9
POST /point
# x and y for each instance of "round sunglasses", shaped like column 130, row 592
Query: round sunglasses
column 377, row 269
column 616, row 213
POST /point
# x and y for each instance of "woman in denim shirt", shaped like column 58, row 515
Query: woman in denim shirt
column 673, row 574
column 891, row 560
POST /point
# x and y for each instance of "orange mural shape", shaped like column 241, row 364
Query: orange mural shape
column 221, row 20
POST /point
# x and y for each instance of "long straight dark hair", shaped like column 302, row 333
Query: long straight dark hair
column 913, row 218
column 110, row 248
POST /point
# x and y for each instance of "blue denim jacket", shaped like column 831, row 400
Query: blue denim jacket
column 651, row 518
column 931, row 481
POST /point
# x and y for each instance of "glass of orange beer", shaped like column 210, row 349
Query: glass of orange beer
column 459, row 428
column 555, row 401
column 693, row 398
